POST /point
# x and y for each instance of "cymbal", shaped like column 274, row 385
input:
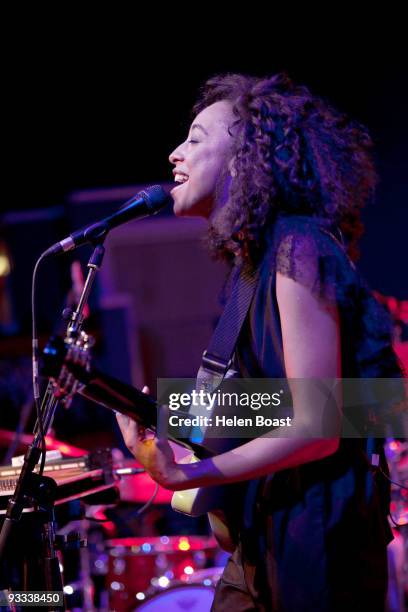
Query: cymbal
column 24, row 440
column 139, row 488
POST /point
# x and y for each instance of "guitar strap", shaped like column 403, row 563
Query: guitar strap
column 218, row 356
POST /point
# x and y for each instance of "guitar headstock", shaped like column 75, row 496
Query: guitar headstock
column 65, row 361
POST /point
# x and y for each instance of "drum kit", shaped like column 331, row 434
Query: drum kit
column 147, row 570
column 158, row 571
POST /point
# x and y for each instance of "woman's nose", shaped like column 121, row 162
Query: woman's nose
column 176, row 155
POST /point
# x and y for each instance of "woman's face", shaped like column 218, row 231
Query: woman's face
column 201, row 162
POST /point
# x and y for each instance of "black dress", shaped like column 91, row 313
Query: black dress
column 313, row 538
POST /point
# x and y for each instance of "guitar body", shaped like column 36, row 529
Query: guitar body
column 214, row 502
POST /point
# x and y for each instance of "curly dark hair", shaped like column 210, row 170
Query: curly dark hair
column 293, row 153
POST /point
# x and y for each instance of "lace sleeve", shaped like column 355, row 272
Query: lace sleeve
column 305, row 250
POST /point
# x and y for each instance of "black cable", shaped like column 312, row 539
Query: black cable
column 148, row 503
column 393, row 520
column 134, row 514
column 35, row 360
column 398, row 484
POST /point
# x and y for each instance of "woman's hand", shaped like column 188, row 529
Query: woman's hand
column 154, row 453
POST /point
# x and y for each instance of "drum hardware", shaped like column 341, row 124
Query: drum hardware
column 83, row 586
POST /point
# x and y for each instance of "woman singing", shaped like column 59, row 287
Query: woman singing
column 281, row 177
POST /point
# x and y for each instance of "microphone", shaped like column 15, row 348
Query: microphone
column 144, row 204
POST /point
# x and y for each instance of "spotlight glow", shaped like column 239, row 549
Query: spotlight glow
column 4, row 265
column 116, row 586
column 184, row 544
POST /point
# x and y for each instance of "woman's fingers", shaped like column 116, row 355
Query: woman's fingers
column 162, row 419
column 132, row 432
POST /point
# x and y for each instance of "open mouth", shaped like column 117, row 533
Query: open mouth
column 180, row 179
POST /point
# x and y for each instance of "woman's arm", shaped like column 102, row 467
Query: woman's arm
column 311, row 347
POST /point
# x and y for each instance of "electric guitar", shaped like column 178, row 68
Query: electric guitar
column 70, row 371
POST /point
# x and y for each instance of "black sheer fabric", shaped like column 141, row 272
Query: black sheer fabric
column 307, row 250
column 313, row 537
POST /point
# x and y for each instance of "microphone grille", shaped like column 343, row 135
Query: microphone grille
column 155, row 197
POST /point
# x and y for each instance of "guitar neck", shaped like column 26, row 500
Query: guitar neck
column 128, row 400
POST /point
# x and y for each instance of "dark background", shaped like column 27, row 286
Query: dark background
column 98, row 103
column 100, row 100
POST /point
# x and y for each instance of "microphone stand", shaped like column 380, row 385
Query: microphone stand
column 40, row 491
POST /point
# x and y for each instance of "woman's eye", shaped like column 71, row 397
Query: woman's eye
column 192, row 141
